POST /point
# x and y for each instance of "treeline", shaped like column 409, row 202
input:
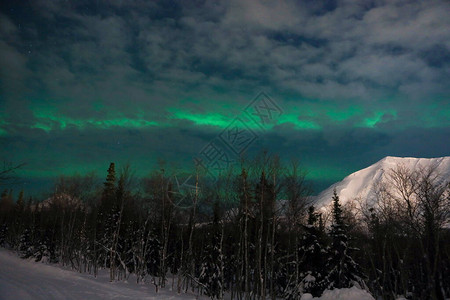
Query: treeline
column 233, row 235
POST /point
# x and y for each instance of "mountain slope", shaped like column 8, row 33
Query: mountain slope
column 360, row 184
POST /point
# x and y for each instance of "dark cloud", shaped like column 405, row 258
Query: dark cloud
column 79, row 78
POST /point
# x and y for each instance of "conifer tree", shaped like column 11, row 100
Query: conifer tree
column 344, row 272
column 211, row 273
column 264, row 197
column 26, row 245
column 212, row 267
column 106, row 218
column 109, row 187
column 312, row 257
column 152, row 252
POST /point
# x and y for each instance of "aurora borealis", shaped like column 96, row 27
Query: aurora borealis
column 84, row 83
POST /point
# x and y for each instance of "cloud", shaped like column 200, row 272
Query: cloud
column 348, row 74
column 13, row 69
column 323, row 52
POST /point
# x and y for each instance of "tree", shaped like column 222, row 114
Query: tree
column 312, row 256
column 344, row 272
column 434, row 205
column 245, row 203
column 106, row 218
column 6, row 206
column 266, row 206
column 408, row 225
column 20, row 204
column 297, row 191
column 109, row 187
column 116, row 217
column 7, row 174
column 211, row 272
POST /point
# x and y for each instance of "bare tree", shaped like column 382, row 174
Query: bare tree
column 7, row 174
column 72, row 196
column 297, row 191
column 411, row 210
column 434, row 205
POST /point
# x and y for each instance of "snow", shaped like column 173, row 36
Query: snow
column 61, row 199
column 26, row 279
column 360, row 184
column 341, row 294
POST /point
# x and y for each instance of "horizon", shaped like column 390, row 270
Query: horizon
column 42, row 188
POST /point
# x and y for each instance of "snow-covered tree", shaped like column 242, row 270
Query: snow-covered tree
column 311, row 255
column 212, row 268
column 211, row 272
column 26, row 247
column 344, row 272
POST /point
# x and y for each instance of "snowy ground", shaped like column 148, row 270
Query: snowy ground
column 342, row 294
column 26, row 279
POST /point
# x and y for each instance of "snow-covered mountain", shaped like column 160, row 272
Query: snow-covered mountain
column 61, row 200
column 361, row 183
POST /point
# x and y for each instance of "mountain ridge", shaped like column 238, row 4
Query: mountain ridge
column 360, row 183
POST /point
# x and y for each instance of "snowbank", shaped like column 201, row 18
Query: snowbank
column 341, row 294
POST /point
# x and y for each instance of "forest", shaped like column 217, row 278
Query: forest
column 252, row 233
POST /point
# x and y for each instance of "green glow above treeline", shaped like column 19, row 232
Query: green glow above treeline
column 208, row 119
column 312, row 121
column 145, row 167
column 49, row 121
column 298, row 115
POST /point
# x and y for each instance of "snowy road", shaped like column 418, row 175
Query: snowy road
column 25, row 279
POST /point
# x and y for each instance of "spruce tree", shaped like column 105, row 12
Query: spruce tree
column 109, row 188
column 106, row 218
column 152, row 251
column 26, row 245
column 344, row 272
column 265, row 196
column 211, row 272
column 212, row 267
column 265, row 200
column 312, row 257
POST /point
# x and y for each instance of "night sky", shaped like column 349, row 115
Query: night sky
column 338, row 84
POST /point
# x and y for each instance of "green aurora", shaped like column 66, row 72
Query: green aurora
column 139, row 83
column 301, row 119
